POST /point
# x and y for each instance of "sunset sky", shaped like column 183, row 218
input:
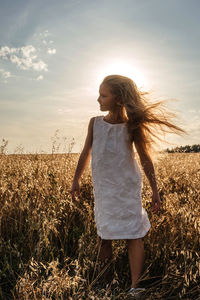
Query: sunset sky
column 54, row 54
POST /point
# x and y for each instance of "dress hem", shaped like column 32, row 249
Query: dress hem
column 114, row 237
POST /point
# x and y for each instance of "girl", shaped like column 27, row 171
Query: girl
column 116, row 175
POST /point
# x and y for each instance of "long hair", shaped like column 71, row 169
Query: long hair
column 145, row 119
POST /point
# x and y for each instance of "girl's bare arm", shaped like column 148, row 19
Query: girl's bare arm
column 85, row 154
column 148, row 168
column 83, row 160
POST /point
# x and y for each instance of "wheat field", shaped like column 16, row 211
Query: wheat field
column 48, row 243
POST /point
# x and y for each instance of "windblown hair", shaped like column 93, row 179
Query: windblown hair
column 145, row 119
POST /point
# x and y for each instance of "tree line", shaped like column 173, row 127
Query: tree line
column 185, row 149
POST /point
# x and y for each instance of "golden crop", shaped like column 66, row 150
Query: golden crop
column 48, row 243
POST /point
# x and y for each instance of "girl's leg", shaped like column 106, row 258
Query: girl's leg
column 105, row 251
column 136, row 259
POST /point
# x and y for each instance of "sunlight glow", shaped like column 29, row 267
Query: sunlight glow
column 125, row 69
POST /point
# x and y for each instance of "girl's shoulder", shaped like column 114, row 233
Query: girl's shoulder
column 96, row 118
column 93, row 120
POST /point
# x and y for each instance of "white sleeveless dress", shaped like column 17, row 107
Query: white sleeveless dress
column 117, row 184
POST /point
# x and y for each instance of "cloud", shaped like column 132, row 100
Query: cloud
column 193, row 128
column 45, row 33
column 64, row 110
column 24, row 57
column 43, row 36
column 27, row 50
column 40, row 77
column 5, row 74
column 192, row 110
column 4, row 50
column 51, row 51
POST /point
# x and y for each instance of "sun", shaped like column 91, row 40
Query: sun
column 125, row 69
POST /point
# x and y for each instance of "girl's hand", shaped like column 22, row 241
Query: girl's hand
column 156, row 203
column 75, row 190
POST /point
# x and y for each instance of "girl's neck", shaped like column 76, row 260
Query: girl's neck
column 115, row 117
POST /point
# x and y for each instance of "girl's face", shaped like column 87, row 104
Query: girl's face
column 106, row 100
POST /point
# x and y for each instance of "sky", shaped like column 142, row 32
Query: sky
column 54, row 54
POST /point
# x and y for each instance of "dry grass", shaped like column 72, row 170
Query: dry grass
column 48, row 244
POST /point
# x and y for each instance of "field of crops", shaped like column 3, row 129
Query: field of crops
column 48, row 244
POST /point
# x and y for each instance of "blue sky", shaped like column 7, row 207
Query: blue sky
column 53, row 56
